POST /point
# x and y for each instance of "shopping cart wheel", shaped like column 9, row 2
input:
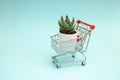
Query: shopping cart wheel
column 53, row 61
column 73, row 56
column 83, row 63
column 58, row 66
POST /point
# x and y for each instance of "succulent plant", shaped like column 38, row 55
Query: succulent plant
column 66, row 26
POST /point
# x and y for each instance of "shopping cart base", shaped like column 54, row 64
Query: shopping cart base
column 72, row 59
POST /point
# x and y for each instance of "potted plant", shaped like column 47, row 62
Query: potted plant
column 67, row 34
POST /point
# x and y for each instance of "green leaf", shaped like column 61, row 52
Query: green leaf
column 67, row 20
column 72, row 22
column 59, row 23
column 62, row 19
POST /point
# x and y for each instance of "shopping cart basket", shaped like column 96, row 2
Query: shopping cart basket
column 82, row 40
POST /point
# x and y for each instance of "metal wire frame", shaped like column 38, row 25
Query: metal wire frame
column 84, row 32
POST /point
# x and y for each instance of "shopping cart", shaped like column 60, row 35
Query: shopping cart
column 83, row 36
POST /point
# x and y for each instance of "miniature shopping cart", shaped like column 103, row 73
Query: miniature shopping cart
column 82, row 40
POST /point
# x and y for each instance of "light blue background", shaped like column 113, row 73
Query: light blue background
column 25, row 30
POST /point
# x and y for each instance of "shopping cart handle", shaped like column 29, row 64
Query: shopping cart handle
column 92, row 27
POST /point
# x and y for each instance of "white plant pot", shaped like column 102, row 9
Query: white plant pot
column 67, row 41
